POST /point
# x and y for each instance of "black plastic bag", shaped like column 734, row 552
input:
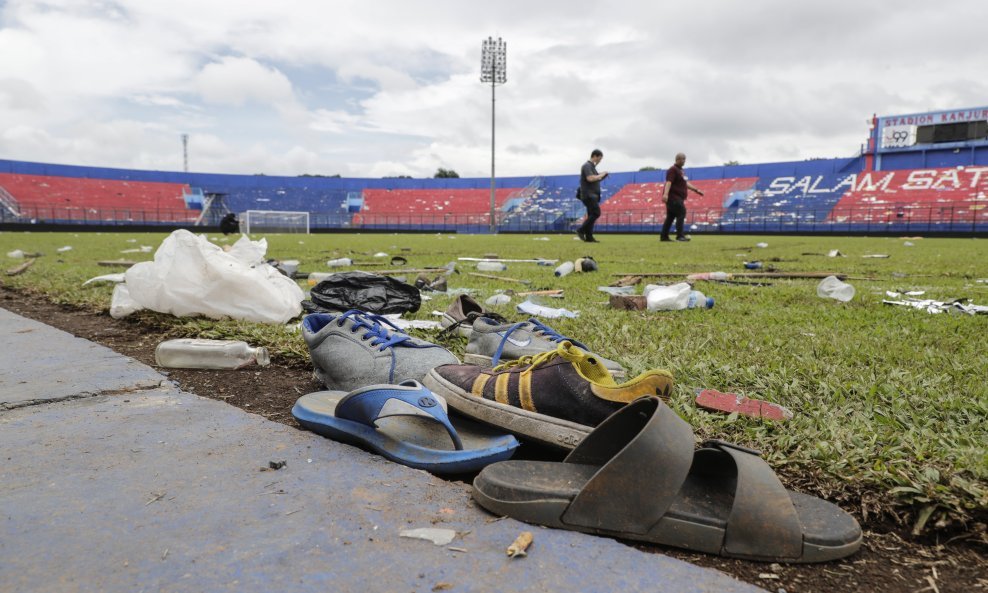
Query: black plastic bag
column 372, row 293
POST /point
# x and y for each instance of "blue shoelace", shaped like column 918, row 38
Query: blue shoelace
column 384, row 337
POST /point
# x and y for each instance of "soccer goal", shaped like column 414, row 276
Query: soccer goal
column 274, row 221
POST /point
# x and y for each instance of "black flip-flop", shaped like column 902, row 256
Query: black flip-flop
column 637, row 476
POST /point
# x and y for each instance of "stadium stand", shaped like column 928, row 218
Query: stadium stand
column 52, row 198
column 638, row 206
column 415, row 207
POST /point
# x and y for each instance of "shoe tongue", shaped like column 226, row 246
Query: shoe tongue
column 587, row 365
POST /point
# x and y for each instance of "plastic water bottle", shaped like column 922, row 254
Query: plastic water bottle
column 340, row 263
column 697, row 300
column 317, row 277
column 491, row 266
column 709, row 276
column 193, row 353
column 564, row 268
column 667, row 298
column 753, row 265
column 832, row 288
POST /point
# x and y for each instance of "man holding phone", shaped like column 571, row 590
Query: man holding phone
column 590, row 194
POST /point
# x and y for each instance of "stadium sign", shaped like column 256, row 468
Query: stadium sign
column 916, row 180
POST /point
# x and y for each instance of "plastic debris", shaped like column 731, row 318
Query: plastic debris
column 761, row 245
column 194, row 353
column 106, row 278
column 440, row 537
column 540, row 239
column 832, row 288
column 731, row 403
column 908, row 244
column 617, row 290
column 403, row 324
column 753, row 265
column 340, row 262
column 498, row 299
column 380, row 254
column 835, row 253
column 710, row 276
column 564, row 268
column 934, row 307
column 16, row 254
column 530, row 308
column 893, row 294
column 491, row 266
column 399, row 261
column 121, row 303
column 875, row 256
column 64, row 249
column 520, row 546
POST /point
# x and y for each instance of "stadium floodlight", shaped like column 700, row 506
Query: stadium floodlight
column 493, row 69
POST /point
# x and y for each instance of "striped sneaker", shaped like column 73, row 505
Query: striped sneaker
column 554, row 397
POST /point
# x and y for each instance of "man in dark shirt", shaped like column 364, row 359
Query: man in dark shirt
column 674, row 197
column 590, row 195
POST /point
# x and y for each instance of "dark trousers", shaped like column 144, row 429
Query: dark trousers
column 593, row 213
column 674, row 211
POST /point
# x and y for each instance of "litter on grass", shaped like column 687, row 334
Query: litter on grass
column 106, row 278
column 404, row 324
column 498, row 299
column 530, row 308
column 440, row 537
column 934, row 307
column 520, row 546
column 835, row 253
column 731, row 403
column 16, row 254
column 64, row 249
column 832, row 288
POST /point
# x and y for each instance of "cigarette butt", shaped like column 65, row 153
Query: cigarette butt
column 520, row 545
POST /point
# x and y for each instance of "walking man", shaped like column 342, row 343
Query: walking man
column 674, row 197
column 590, row 195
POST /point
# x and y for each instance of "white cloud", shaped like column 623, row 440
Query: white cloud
column 235, row 81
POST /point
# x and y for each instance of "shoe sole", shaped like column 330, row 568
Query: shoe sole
column 485, row 361
column 548, row 430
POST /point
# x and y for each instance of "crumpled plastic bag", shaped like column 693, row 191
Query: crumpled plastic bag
column 191, row 276
column 372, row 293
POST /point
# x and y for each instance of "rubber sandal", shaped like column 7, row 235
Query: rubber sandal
column 636, row 476
column 405, row 423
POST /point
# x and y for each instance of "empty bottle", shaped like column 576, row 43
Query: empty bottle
column 832, row 288
column 675, row 297
column 564, row 268
column 709, row 276
column 340, row 263
column 193, row 353
column 317, row 277
column 491, row 266
column 753, row 265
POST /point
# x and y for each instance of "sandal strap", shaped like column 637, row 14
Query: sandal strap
column 644, row 451
column 763, row 521
column 411, row 398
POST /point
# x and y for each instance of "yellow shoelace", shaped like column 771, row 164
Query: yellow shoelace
column 594, row 371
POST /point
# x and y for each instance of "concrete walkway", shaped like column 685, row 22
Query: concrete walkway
column 113, row 480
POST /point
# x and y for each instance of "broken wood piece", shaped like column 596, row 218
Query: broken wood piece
column 126, row 263
column 793, row 275
column 628, row 302
column 410, row 271
column 628, row 281
column 730, row 403
column 520, row 546
column 493, row 277
column 551, row 293
column 21, row 268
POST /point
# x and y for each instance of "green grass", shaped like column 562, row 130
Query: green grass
column 891, row 403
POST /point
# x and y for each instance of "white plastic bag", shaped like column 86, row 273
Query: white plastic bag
column 191, row 276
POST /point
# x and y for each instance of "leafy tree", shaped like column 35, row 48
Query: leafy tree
column 336, row 176
column 397, row 177
column 649, row 168
column 445, row 173
column 732, row 163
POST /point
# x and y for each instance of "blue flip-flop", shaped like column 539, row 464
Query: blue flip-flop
column 407, row 423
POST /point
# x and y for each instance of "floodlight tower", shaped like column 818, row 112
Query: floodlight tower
column 185, row 152
column 493, row 69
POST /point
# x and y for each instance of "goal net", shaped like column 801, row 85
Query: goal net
column 274, row 221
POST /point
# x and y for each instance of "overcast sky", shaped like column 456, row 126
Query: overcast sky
column 386, row 87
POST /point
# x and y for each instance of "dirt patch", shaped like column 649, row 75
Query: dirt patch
column 888, row 561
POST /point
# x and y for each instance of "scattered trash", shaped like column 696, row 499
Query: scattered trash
column 505, row 279
column 274, row 466
column 731, row 403
column 380, row 254
column 635, row 302
column 16, row 254
column 437, row 284
column 710, row 276
column 832, row 288
column 340, row 263
column 564, row 268
column 372, row 293
column 313, row 278
column 628, row 281
column 753, row 265
column 556, row 293
column 404, row 324
column 875, row 256
column 106, row 278
column 521, row 544
column 896, row 294
column 20, row 269
column 934, row 307
column 540, row 239
column 116, row 263
column 288, row 267
column 195, row 353
column 440, row 537
column 585, row 264
column 141, row 249
column 498, row 299
column 539, row 260
column 761, row 245
column 191, row 276
column 121, row 303
column 491, row 266
column 531, row 308
column 442, row 585
column 676, row 297
column 399, row 261
column 835, row 253
column 908, row 244
column 64, row 249
column 617, row 290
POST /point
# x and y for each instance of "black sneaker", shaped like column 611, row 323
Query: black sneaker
column 682, row 239
column 665, row 239
column 580, row 234
column 592, row 240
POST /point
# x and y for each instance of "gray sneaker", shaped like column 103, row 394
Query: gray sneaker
column 462, row 312
column 492, row 343
column 355, row 349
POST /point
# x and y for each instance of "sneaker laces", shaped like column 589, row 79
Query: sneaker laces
column 380, row 336
column 539, row 328
column 564, row 350
column 469, row 319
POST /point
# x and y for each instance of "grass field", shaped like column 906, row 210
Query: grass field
column 891, row 403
